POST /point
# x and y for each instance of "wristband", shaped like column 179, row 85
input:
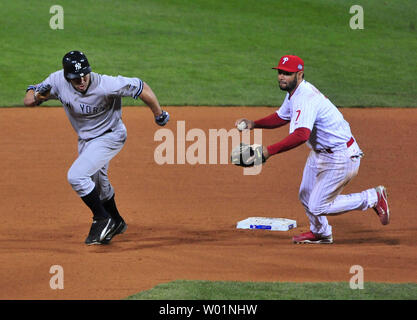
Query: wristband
column 31, row 87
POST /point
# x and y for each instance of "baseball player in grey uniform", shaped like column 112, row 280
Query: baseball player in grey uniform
column 93, row 105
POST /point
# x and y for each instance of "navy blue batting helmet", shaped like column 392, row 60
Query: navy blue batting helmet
column 75, row 65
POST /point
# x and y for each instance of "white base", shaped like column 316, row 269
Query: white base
column 274, row 224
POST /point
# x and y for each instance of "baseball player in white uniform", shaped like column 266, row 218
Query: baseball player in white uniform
column 334, row 158
column 93, row 105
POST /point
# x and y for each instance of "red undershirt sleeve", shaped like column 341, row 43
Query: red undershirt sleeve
column 270, row 122
column 299, row 136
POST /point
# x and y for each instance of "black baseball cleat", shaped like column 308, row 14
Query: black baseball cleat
column 100, row 229
column 120, row 228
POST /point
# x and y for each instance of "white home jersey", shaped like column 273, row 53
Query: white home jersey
column 98, row 110
column 309, row 108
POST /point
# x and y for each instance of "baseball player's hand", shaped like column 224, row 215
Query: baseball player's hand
column 265, row 153
column 162, row 119
column 242, row 124
column 245, row 155
column 42, row 93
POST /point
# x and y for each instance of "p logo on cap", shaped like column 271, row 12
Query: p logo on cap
column 290, row 64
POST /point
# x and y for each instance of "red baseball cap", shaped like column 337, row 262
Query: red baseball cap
column 290, row 64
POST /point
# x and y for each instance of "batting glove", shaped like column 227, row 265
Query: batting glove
column 162, row 119
column 42, row 92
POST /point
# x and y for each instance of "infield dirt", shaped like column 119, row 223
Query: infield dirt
column 182, row 218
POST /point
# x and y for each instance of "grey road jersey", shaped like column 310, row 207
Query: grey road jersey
column 99, row 109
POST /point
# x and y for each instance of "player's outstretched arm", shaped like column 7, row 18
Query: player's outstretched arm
column 269, row 122
column 298, row 137
column 150, row 99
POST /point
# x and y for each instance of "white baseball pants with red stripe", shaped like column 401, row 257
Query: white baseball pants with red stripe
column 324, row 177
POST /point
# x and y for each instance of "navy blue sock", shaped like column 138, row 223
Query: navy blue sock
column 92, row 200
column 111, row 208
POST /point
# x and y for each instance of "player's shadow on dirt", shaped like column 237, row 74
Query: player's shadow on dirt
column 389, row 242
column 34, row 245
column 369, row 237
column 148, row 237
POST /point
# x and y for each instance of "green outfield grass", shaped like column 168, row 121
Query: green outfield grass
column 207, row 290
column 218, row 52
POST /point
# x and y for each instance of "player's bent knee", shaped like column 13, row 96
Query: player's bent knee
column 317, row 209
column 73, row 177
column 80, row 183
